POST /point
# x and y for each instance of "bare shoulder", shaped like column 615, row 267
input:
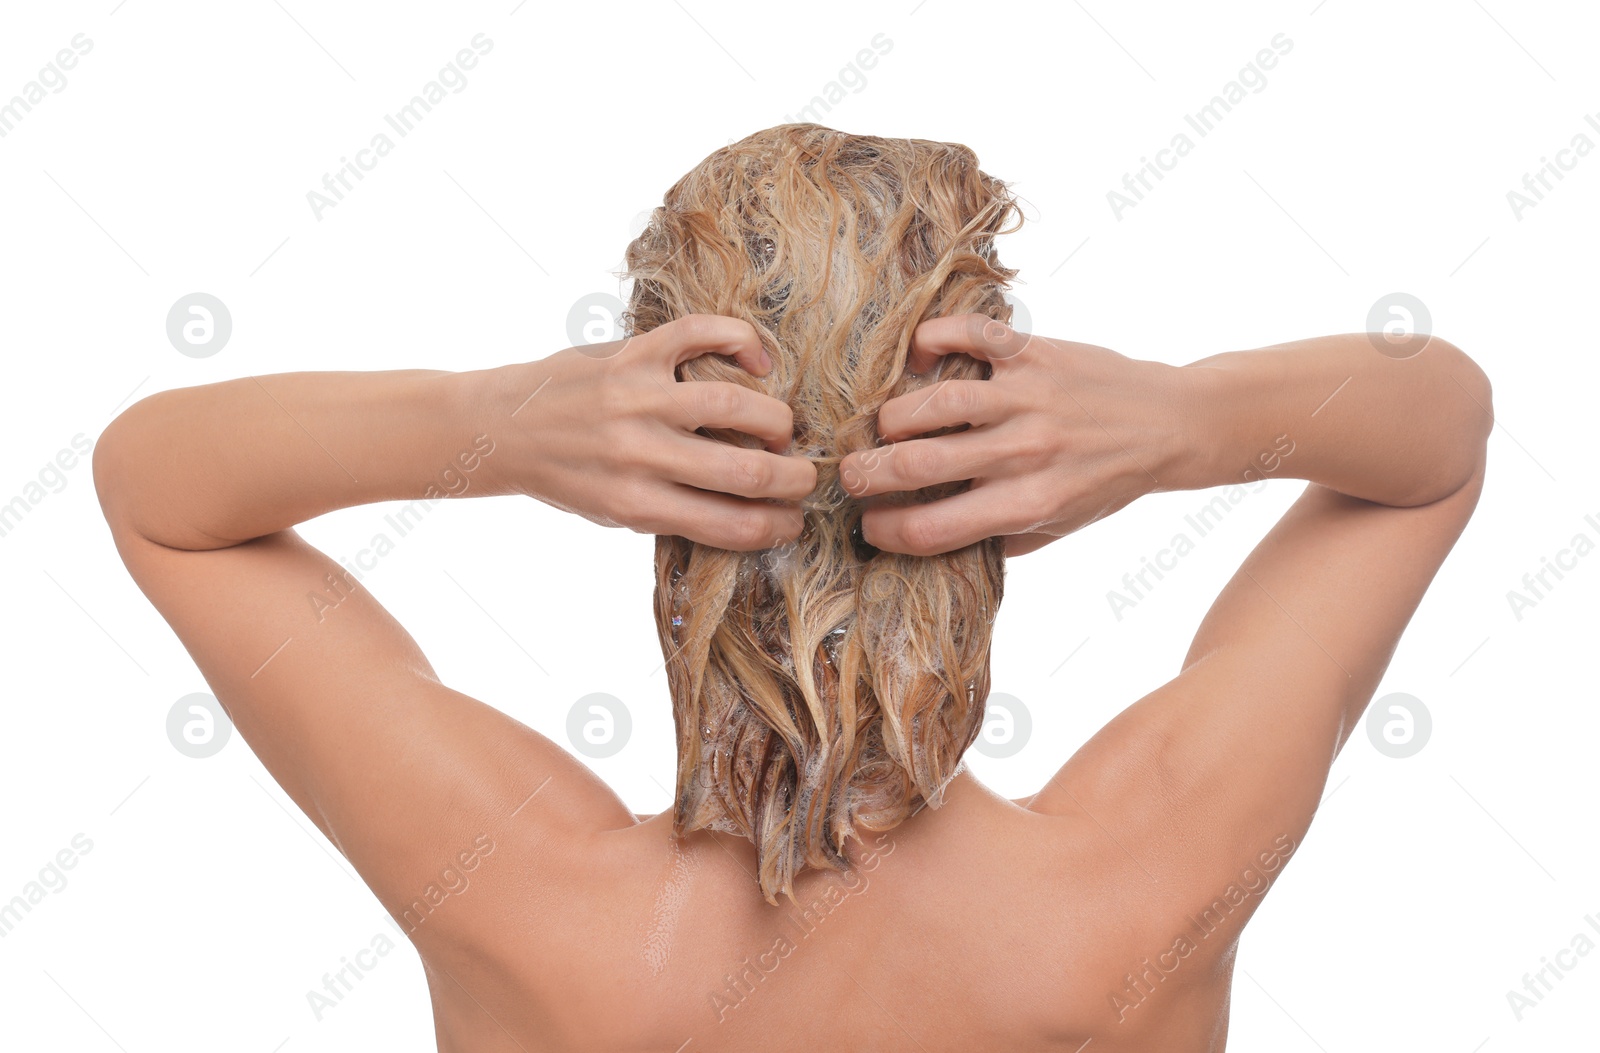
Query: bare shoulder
column 1211, row 781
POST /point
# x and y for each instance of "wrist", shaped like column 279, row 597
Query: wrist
column 1237, row 430
column 1201, row 421
column 501, row 408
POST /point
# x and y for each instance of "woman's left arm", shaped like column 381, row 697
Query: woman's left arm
column 202, row 487
column 604, row 431
column 209, row 467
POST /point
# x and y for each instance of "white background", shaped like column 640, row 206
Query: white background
column 1377, row 157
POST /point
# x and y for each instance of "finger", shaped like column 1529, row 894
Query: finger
column 717, row 466
column 916, row 463
column 717, row 404
column 948, row 523
column 946, row 404
column 694, row 335
column 719, row 520
column 976, row 335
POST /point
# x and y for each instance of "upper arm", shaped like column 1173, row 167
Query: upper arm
column 401, row 773
column 1228, row 761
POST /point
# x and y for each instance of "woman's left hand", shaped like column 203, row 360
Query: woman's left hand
column 607, row 431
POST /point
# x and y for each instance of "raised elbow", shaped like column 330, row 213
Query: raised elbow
column 112, row 465
column 1469, row 397
column 1474, row 382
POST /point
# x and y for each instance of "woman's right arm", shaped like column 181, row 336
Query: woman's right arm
column 1228, row 760
column 1399, row 431
column 1284, row 663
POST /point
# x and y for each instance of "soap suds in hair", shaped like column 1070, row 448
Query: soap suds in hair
column 849, row 243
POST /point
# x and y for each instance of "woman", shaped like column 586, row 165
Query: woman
column 821, row 414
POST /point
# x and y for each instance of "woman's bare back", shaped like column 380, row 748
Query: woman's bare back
column 980, row 925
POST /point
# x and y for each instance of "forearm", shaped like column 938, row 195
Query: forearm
column 210, row 466
column 1395, row 431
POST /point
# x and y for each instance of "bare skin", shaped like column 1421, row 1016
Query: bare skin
column 1105, row 909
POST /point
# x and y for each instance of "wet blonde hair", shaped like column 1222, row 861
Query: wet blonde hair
column 822, row 688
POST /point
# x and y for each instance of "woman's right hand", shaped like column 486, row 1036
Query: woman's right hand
column 615, row 438
column 1061, row 434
